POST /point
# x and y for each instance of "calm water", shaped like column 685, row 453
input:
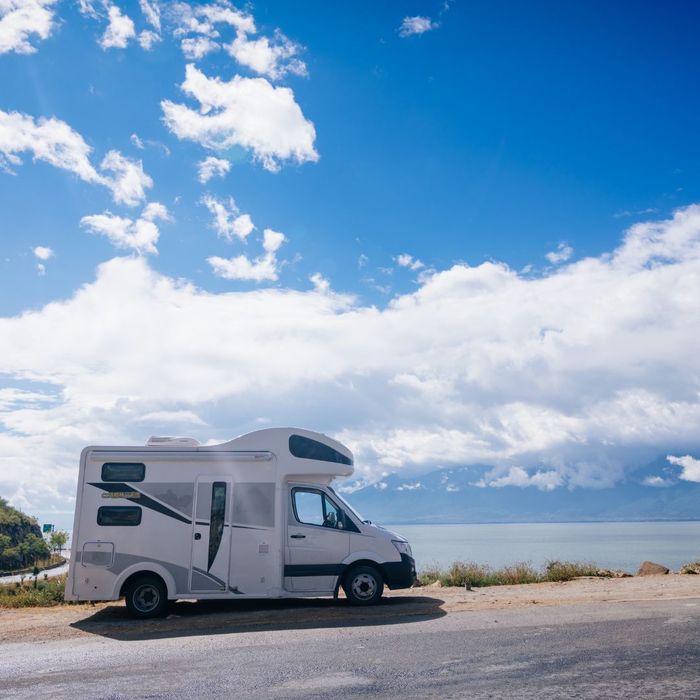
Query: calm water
column 610, row 545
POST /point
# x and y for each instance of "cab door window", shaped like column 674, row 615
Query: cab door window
column 313, row 507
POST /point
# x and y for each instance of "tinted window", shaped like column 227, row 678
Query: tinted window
column 119, row 515
column 123, row 471
column 306, row 448
column 313, row 508
column 218, row 515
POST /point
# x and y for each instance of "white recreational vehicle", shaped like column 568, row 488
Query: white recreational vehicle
column 255, row 517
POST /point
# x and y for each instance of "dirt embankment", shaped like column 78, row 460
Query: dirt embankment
column 187, row 618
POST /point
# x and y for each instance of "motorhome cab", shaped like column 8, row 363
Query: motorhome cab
column 255, row 517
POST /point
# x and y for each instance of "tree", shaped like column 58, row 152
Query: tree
column 35, row 547
column 57, row 540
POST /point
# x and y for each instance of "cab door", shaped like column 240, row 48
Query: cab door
column 211, row 535
column 317, row 542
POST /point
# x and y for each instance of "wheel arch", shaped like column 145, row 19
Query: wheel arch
column 128, row 575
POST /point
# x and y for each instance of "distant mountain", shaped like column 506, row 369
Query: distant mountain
column 449, row 496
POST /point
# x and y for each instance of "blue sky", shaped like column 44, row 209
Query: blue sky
column 413, row 156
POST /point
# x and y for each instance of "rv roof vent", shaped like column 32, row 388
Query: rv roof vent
column 155, row 441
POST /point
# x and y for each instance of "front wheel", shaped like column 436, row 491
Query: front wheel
column 147, row 597
column 363, row 585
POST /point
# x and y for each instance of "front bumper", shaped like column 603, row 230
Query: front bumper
column 400, row 574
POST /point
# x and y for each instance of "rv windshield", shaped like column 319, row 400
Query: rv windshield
column 346, row 505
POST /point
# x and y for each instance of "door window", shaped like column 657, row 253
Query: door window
column 216, row 524
column 315, row 508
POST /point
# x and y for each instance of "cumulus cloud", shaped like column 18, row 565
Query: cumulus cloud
column 140, row 235
column 197, row 47
column 320, row 283
column 246, row 112
column 119, row 30
column 212, row 167
column 23, row 20
column 271, row 57
column 151, row 11
column 560, row 255
column 517, row 476
column 657, row 482
column 50, row 140
column 43, row 252
column 148, row 39
column 576, row 374
column 690, row 467
column 416, row 25
column 55, row 142
column 406, row 260
column 241, row 267
column 228, row 221
column 129, row 182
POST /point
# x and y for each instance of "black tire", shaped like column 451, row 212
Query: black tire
column 146, row 597
column 363, row 585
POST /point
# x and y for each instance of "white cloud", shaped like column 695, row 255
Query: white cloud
column 41, row 269
column 55, row 142
column 130, row 182
column 87, row 9
column 410, row 487
column 140, row 235
column 151, row 11
column 119, row 30
column 273, row 58
column 406, row 260
column 416, row 25
column 212, row 167
column 246, row 112
column 50, row 140
column 583, row 372
column 43, row 252
column 263, row 268
column 197, row 47
column 657, row 481
column 137, row 141
column 228, row 222
column 517, row 476
column 148, row 39
column 20, row 20
column 560, row 255
column 201, row 19
column 321, row 284
column 690, row 467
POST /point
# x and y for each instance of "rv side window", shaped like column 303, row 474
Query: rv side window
column 119, row 515
column 306, row 448
column 313, row 508
column 123, row 471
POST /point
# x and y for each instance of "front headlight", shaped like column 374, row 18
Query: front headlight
column 403, row 547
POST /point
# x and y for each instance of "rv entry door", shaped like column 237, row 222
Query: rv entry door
column 211, row 535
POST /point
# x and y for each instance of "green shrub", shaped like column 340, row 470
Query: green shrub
column 568, row 570
column 48, row 592
column 478, row 575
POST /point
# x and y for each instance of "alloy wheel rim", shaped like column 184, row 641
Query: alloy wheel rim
column 364, row 586
column 146, row 598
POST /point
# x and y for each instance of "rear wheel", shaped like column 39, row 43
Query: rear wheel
column 363, row 585
column 147, row 596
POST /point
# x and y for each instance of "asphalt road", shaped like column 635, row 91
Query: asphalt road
column 606, row 650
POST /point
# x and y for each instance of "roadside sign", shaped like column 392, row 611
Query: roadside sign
column 48, row 527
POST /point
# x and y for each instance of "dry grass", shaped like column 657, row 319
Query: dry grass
column 478, row 575
column 48, row 592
